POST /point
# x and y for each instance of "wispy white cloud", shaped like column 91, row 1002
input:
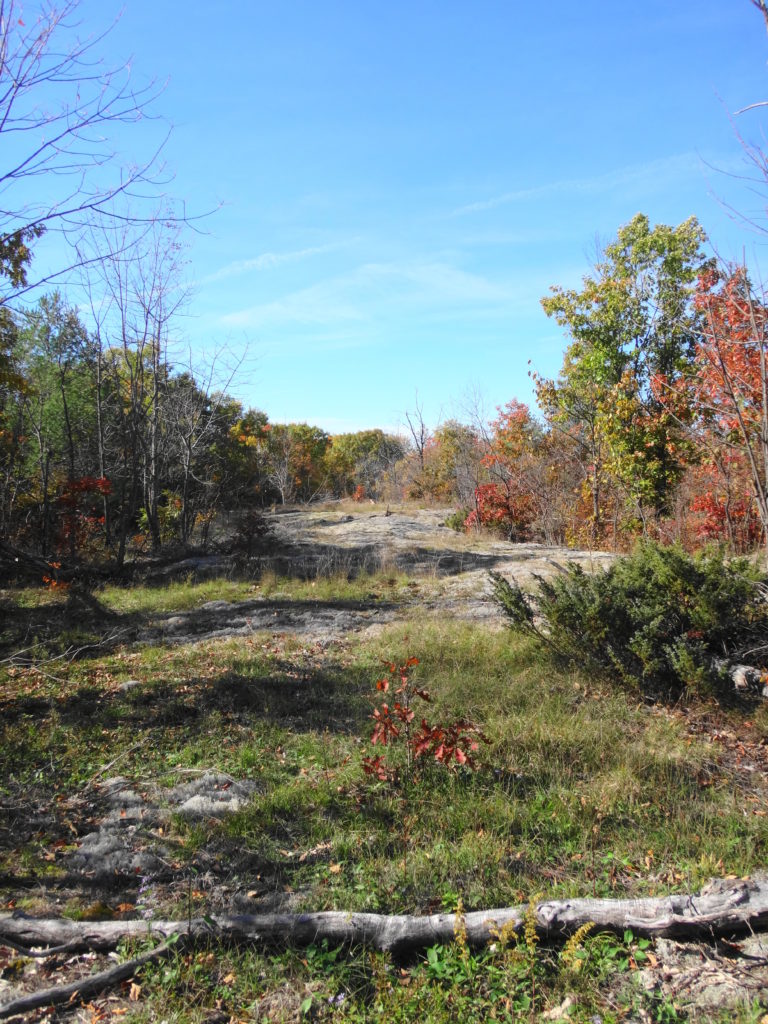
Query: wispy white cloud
column 376, row 291
column 653, row 171
column 431, row 281
column 315, row 306
column 494, row 236
column 272, row 260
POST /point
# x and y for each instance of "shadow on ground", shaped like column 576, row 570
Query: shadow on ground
column 76, row 630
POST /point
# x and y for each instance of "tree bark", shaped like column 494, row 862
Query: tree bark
column 723, row 908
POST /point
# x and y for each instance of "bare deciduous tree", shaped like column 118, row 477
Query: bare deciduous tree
column 140, row 295
column 419, row 431
column 61, row 110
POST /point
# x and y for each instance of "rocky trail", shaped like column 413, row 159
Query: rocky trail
column 450, row 573
column 419, row 542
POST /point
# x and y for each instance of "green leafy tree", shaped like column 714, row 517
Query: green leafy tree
column 57, row 412
column 295, row 460
column 633, row 329
column 449, row 466
column 243, row 454
column 13, row 385
column 362, row 460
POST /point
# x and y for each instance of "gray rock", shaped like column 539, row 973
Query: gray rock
column 103, row 855
column 98, row 844
column 707, row 977
column 114, row 784
column 201, row 807
column 119, row 793
column 122, row 817
column 211, row 796
column 175, row 624
column 126, row 798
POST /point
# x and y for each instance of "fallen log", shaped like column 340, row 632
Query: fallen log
column 725, row 907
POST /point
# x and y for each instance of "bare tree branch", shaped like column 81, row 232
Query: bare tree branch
column 762, row 6
column 88, row 986
column 61, row 111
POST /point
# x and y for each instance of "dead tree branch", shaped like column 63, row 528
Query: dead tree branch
column 723, row 908
column 85, row 987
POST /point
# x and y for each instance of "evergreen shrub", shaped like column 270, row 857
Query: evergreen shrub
column 659, row 619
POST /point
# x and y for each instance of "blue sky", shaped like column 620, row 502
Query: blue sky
column 400, row 183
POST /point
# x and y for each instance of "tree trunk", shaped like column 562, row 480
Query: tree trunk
column 151, row 488
column 99, row 398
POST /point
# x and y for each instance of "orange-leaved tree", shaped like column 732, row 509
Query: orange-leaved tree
column 728, row 388
column 511, row 499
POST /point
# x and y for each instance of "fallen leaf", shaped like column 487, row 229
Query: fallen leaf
column 320, row 848
column 335, row 869
column 135, row 992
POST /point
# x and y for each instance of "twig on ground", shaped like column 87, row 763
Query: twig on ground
column 94, row 983
column 17, row 654
column 113, row 762
column 39, row 954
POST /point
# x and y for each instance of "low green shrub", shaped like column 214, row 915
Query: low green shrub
column 659, row 619
column 458, row 520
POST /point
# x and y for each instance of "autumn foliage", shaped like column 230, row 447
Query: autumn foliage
column 452, row 744
column 656, row 426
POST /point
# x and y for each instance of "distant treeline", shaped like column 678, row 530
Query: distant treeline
column 657, row 425
column 106, row 445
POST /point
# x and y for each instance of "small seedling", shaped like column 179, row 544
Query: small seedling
column 452, row 744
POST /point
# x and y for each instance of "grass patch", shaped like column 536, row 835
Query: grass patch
column 579, row 790
column 515, row 980
column 582, row 790
column 177, row 596
column 338, row 585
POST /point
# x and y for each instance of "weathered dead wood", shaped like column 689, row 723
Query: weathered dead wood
column 723, row 908
column 37, row 953
column 84, row 987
